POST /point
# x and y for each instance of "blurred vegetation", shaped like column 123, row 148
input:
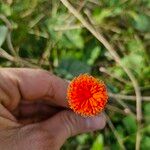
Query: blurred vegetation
column 44, row 34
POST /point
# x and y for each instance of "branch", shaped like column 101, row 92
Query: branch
column 67, row 27
column 104, row 70
column 116, row 109
column 10, row 45
column 4, row 54
column 128, row 97
column 125, row 106
column 115, row 132
column 6, row 21
column 7, row 56
column 10, row 28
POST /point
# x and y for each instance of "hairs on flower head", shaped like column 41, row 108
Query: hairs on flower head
column 87, row 95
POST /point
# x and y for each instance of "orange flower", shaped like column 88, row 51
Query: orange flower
column 87, row 95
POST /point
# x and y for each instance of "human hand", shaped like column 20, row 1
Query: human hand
column 34, row 112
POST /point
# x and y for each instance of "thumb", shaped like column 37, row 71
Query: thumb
column 66, row 123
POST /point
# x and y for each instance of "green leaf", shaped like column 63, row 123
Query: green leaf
column 147, row 112
column 3, row 33
column 134, row 61
column 66, row 38
column 98, row 143
column 94, row 55
column 136, row 57
column 82, row 138
column 145, row 144
column 135, row 46
column 99, row 15
column 130, row 124
column 113, row 2
column 70, row 67
column 120, row 131
column 142, row 23
column 74, row 38
column 5, row 9
column 117, row 71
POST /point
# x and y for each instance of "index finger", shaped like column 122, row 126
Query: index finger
column 32, row 85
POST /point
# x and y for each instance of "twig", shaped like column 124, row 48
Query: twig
column 46, row 54
column 81, row 5
column 138, row 139
column 9, row 43
column 4, row 54
column 10, row 28
column 40, row 34
column 125, row 106
column 7, row 56
column 67, row 27
column 115, row 132
column 96, row 2
column 104, row 70
column 36, row 20
column 116, row 109
column 114, row 54
column 128, row 97
column 88, row 14
column 26, row 63
column 6, row 21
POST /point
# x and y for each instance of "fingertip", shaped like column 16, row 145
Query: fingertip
column 96, row 122
column 101, row 121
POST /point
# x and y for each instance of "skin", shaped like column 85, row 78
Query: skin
column 34, row 112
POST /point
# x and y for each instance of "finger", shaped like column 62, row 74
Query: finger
column 66, row 124
column 28, row 110
column 31, row 85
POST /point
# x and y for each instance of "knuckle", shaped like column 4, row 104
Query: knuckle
column 74, row 123
column 68, row 121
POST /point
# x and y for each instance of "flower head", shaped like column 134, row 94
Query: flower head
column 87, row 95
